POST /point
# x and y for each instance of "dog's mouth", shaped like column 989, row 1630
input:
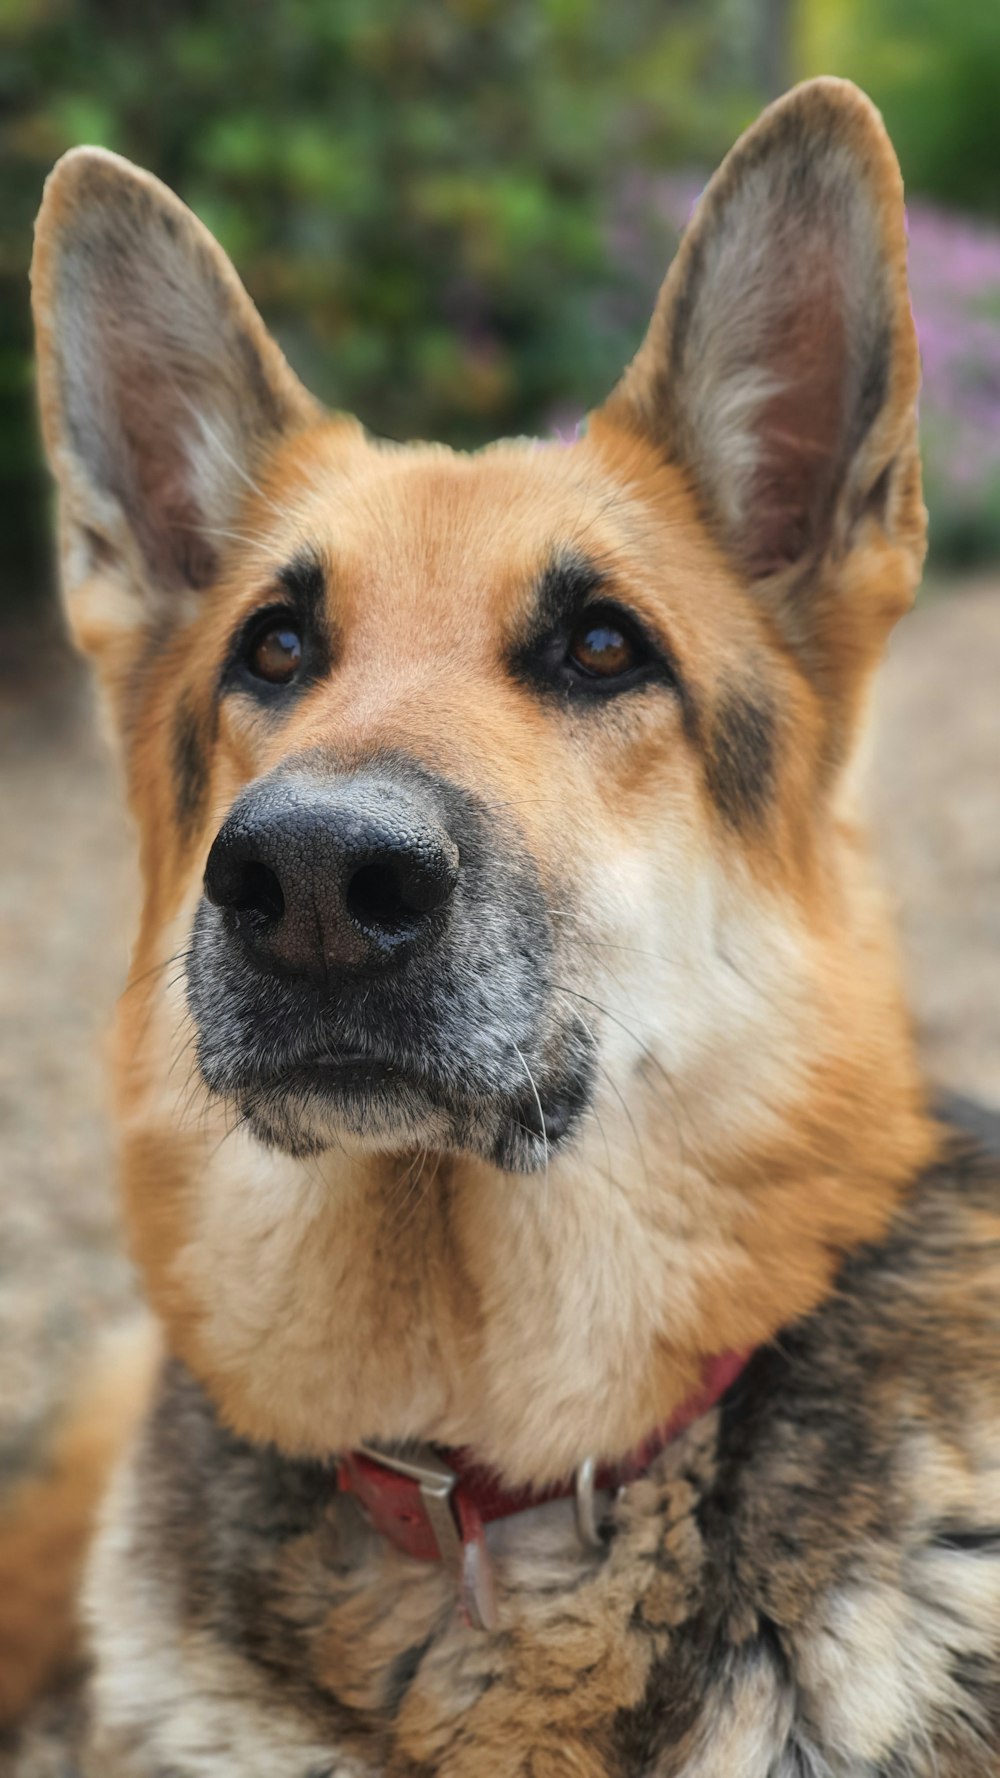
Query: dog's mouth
column 382, row 1104
column 342, row 1076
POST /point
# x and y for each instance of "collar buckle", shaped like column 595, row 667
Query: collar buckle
column 416, row 1500
column 436, row 1512
column 588, row 1525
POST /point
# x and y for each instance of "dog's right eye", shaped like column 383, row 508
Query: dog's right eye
column 274, row 650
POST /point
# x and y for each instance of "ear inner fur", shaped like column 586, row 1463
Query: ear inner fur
column 780, row 369
column 159, row 385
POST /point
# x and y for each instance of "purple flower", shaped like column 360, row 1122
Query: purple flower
column 955, row 281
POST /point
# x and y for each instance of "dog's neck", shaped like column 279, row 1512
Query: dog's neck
column 436, row 1506
column 537, row 1322
column 277, row 1565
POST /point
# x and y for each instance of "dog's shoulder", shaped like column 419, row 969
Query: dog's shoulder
column 849, row 1619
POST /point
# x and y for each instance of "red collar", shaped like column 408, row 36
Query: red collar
column 435, row 1504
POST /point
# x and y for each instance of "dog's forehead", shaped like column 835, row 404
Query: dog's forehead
column 386, row 517
column 423, row 523
column 429, row 549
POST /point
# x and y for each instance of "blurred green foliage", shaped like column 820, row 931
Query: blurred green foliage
column 430, row 199
column 934, row 68
column 417, row 194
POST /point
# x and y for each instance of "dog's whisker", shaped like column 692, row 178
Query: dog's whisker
column 538, row 1102
column 651, row 1056
column 184, row 1050
column 399, row 1187
column 229, row 535
column 416, row 1189
column 613, row 1084
column 155, row 969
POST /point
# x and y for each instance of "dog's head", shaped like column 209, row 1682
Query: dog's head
column 510, row 1022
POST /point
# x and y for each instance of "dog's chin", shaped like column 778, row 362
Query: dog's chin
column 368, row 1106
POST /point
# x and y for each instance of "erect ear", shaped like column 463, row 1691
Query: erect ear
column 780, row 370
column 161, row 390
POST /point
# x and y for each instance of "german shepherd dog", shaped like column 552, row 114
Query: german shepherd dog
column 582, row 1338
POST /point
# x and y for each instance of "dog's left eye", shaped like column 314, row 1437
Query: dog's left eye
column 274, row 651
column 605, row 651
column 599, row 652
column 602, row 647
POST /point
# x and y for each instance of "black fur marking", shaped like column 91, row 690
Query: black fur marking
column 233, row 1512
column 983, row 1542
column 811, row 1395
column 565, row 586
column 404, row 1671
column 980, row 1123
column 305, row 583
column 740, row 763
column 189, row 766
column 976, row 1675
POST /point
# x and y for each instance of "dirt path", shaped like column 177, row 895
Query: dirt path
column 64, row 925
column 65, row 919
column 936, row 816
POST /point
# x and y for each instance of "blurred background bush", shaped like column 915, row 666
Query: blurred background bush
column 455, row 213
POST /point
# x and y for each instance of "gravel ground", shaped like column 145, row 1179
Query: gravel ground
column 65, row 914
column 936, row 818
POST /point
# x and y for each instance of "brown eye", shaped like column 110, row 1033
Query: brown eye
column 275, row 653
column 601, row 649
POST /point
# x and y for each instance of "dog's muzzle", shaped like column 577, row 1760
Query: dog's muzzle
column 373, row 955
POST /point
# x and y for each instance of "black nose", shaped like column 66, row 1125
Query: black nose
column 317, row 877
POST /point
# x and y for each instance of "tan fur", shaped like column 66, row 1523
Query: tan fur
column 803, row 1132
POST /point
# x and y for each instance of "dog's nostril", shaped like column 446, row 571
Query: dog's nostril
column 313, row 880
column 376, row 899
column 256, row 890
